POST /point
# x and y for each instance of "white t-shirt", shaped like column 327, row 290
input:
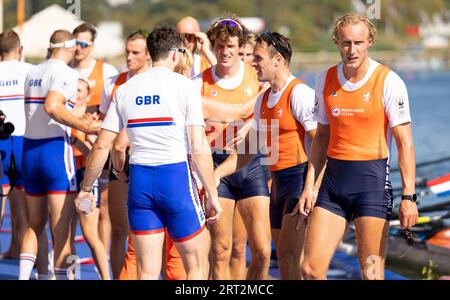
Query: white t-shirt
column 13, row 74
column 52, row 75
column 155, row 107
column 395, row 95
column 108, row 86
column 226, row 84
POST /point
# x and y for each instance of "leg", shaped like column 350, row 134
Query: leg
column 221, row 234
column 42, row 254
column 149, row 255
column 194, row 253
column 255, row 213
column 324, row 233
column 290, row 246
column 61, row 207
column 238, row 268
column 89, row 224
column 174, row 268
column 372, row 236
column 104, row 223
column 118, row 195
column 37, row 212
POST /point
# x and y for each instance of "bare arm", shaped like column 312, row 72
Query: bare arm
column 56, row 108
column 204, row 47
column 408, row 213
column 119, row 149
column 317, row 159
column 202, row 159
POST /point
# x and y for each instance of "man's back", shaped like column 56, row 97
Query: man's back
column 155, row 107
column 12, row 80
column 52, row 75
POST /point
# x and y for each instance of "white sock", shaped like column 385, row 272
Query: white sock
column 26, row 265
column 61, row 274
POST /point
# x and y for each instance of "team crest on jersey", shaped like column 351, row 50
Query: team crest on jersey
column 334, row 93
column 248, row 91
column 366, row 97
column 336, row 111
column 214, row 93
column 280, row 112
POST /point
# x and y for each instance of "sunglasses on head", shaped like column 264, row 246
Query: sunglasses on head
column 181, row 50
column 83, row 44
column 268, row 37
column 229, row 22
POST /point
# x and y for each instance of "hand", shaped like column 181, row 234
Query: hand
column 408, row 214
column 91, row 123
column 203, row 43
column 90, row 138
column 306, row 202
column 213, row 209
column 121, row 176
column 85, row 195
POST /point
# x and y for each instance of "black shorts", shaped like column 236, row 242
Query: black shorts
column 287, row 186
column 353, row 189
column 249, row 182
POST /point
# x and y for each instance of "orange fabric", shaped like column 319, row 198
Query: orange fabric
column 204, row 64
column 358, row 122
column 219, row 132
column 80, row 159
column 96, row 79
column 120, row 80
column 174, row 265
column 290, row 143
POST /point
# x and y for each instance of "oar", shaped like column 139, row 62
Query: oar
column 424, row 219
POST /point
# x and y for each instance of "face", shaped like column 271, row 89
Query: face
column 227, row 52
column 264, row 64
column 246, row 53
column 137, row 55
column 82, row 53
column 353, row 44
column 82, row 90
column 190, row 41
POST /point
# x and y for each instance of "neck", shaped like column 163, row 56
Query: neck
column 280, row 79
column 144, row 68
column 227, row 72
column 164, row 64
column 10, row 56
column 83, row 64
column 356, row 74
column 60, row 56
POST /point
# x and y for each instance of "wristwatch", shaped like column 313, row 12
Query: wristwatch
column 88, row 189
column 412, row 197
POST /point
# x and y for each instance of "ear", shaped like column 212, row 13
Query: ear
column 370, row 43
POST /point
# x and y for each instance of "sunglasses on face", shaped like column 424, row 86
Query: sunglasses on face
column 181, row 50
column 190, row 37
column 83, row 44
column 229, row 22
column 268, row 37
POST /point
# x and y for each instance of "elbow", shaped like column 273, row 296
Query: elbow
column 51, row 108
column 119, row 148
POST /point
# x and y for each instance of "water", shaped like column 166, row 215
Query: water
column 429, row 96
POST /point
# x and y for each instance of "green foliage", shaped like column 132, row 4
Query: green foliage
column 308, row 21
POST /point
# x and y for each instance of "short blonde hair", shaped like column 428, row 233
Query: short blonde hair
column 185, row 66
column 353, row 19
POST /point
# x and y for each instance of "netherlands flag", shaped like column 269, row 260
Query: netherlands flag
column 440, row 186
column 148, row 122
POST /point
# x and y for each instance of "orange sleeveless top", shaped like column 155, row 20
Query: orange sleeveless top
column 358, row 122
column 96, row 79
column 289, row 143
column 219, row 132
column 120, row 80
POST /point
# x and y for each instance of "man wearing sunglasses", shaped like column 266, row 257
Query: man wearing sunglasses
column 97, row 72
column 231, row 81
column 285, row 111
column 48, row 166
column 360, row 105
column 162, row 113
column 195, row 40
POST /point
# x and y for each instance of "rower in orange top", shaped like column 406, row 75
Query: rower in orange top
column 360, row 104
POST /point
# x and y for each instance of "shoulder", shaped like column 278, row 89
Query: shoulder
column 302, row 90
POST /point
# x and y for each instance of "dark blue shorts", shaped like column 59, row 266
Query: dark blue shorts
column 48, row 167
column 287, row 186
column 353, row 189
column 164, row 196
column 14, row 144
column 249, row 182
